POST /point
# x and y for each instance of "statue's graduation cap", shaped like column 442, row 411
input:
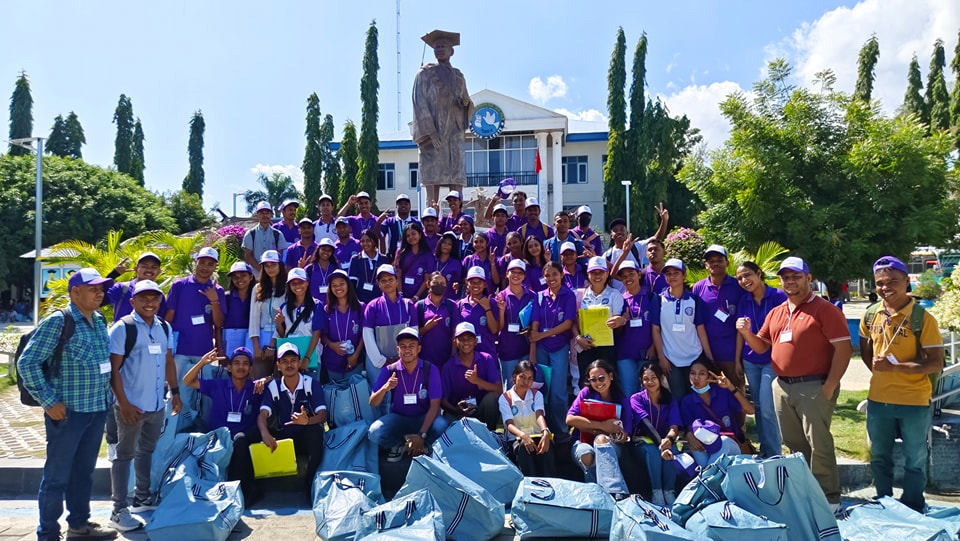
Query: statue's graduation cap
column 437, row 35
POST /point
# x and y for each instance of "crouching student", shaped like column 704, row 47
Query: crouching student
column 471, row 381
column 521, row 408
column 236, row 404
column 414, row 421
column 720, row 405
column 293, row 408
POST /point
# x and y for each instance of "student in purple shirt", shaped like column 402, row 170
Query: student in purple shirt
column 431, row 227
column 414, row 421
column 321, row 266
column 497, row 235
column 479, row 308
column 346, row 246
column 299, row 254
column 301, row 315
column 534, row 227
column 120, row 293
column 465, row 231
column 589, row 236
column 656, row 427
column 194, row 312
column 471, row 381
column 653, row 279
column 448, row 264
column 364, row 219
column 574, row 272
column 513, row 249
column 343, row 338
column 714, row 398
column 383, row 318
column 518, row 218
column 635, row 345
column 236, row 319
column 721, row 294
column 414, row 262
column 550, row 333
column 456, row 211
column 288, row 225
column 513, row 347
column 482, row 257
column 535, row 257
column 438, row 316
column 363, row 267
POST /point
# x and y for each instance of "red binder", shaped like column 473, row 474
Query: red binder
column 597, row 410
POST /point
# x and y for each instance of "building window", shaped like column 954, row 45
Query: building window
column 385, row 176
column 487, row 162
column 414, row 169
column 574, row 169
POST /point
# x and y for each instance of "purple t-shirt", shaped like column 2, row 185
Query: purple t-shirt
column 344, row 251
column 534, row 278
column 413, row 268
column 432, row 241
column 637, row 336
column 291, row 257
column 473, row 260
column 455, row 385
column 339, row 327
column 383, row 312
column 192, row 318
column 512, row 344
column 758, row 313
column 596, row 243
column 474, row 313
column 653, row 280
column 119, row 296
column 452, row 270
column 412, row 384
column 723, row 410
column 237, row 311
column 227, row 399
column 577, row 279
column 550, row 312
column 662, row 416
column 515, row 221
column 497, row 242
column 439, row 339
column 587, row 393
column 358, row 224
column 448, row 221
column 722, row 333
column 320, row 279
column 290, row 232
column 527, row 230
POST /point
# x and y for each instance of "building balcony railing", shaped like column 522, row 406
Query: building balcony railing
column 522, row 178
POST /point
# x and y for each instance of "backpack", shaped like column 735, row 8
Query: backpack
column 916, row 326
column 51, row 367
column 523, row 230
column 130, row 332
column 276, row 237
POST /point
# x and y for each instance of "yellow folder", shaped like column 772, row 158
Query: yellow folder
column 279, row 463
column 593, row 322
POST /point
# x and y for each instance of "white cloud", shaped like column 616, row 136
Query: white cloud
column 902, row 27
column 701, row 104
column 589, row 115
column 542, row 92
column 292, row 171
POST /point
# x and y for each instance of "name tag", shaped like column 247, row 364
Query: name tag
column 368, row 287
column 345, row 266
column 786, row 336
column 892, row 359
column 479, row 339
column 323, row 290
column 409, row 399
column 233, row 417
column 197, row 320
column 679, row 327
column 636, row 323
column 543, row 281
column 154, row 349
column 408, row 281
column 471, row 401
column 513, row 327
column 105, row 367
column 721, row 315
column 545, row 329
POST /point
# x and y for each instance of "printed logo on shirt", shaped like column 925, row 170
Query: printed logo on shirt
column 423, row 392
column 447, row 321
column 688, row 310
column 731, row 309
column 208, row 309
column 726, row 420
column 356, row 327
column 560, row 316
column 483, row 321
column 419, row 271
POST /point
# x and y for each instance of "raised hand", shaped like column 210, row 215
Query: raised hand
column 299, row 417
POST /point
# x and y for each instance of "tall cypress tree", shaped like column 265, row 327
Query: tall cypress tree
column 348, row 157
column 613, row 171
column 637, row 151
column 123, row 144
column 913, row 99
column 137, row 163
column 312, row 159
column 369, row 146
column 75, row 136
column 193, row 182
column 21, row 114
column 955, row 96
column 866, row 69
column 331, row 165
column 58, row 142
column 937, row 99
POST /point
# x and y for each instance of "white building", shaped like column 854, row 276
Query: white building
column 572, row 155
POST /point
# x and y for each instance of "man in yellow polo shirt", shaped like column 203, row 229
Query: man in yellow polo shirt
column 900, row 388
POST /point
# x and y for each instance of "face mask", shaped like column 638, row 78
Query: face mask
column 438, row 289
column 701, row 391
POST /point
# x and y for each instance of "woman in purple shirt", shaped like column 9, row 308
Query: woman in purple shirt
column 466, row 230
column 342, row 341
column 383, row 318
column 656, row 426
column 414, row 262
column 448, row 264
column 551, row 325
column 535, row 257
column 480, row 309
column 513, row 250
column 321, row 266
column 513, row 347
column 635, row 345
column 483, row 258
column 364, row 265
column 721, row 403
column 236, row 320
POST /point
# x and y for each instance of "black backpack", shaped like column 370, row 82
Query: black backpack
column 51, row 366
column 130, row 334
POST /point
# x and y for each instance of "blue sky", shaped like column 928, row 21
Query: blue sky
column 250, row 66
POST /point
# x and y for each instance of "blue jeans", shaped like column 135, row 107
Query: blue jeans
column 760, row 378
column 605, row 470
column 388, row 431
column 883, row 420
column 190, row 412
column 628, row 370
column 559, row 362
column 72, row 448
column 663, row 476
column 506, row 371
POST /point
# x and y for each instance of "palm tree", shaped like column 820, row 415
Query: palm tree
column 767, row 257
column 277, row 188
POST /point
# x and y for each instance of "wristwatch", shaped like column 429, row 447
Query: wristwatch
column 174, row 391
column 423, row 436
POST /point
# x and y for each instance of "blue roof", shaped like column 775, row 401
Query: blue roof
column 587, row 137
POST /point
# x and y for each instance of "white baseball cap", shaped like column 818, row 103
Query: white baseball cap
column 288, row 348
column 402, row 197
column 430, row 212
column 146, row 285
column 208, row 251
column 454, row 194
column 263, row 205
column 297, row 274
column 532, row 202
column 386, row 268
column 584, row 209
column 465, row 327
column 476, row 272
column 517, row 264
column 597, row 263
column 568, row 246
column 270, row 256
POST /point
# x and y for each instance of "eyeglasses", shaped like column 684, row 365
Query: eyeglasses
column 597, row 379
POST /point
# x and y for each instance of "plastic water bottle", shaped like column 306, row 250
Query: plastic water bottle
column 348, row 347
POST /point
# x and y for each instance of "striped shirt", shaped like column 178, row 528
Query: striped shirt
column 82, row 385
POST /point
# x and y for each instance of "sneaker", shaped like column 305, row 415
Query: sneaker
column 395, row 454
column 142, row 506
column 656, row 498
column 123, row 521
column 836, row 510
column 669, row 497
column 112, row 452
column 91, row 530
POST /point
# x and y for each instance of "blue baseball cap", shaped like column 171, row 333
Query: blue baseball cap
column 88, row 277
column 794, row 264
column 890, row 262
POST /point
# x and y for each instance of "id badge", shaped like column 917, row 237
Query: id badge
column 721, row 315
column 197, row 320
column 636, row 322
column 679, row 327
column 892, row 359
column 513, row 327
column 409, row 399
column 543, row 281
column 471, row 401
column 233, row 417
column 408, row 281
column 368, row 287
column 322, row 290
column 154, row 349
column 345, row 266
column 786, row 336
column 105, row 367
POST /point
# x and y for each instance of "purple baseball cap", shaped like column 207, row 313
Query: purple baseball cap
column 88, row 277
column 890, row 262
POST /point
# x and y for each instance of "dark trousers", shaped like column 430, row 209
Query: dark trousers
column 532, row 465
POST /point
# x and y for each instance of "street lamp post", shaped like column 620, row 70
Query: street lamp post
column 235, row 202
column 626, row 188
column 38, row 218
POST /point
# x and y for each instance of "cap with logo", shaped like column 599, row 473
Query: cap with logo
column 408, row 332
column 148, row 255
column 584, row 210
column 287, row 348
column 263, row 205
column 675, row 263
column 476, row 272
column 517, row 264
column 88, row 277
column 297, row 274
column 269, row 256
column 208, row 251
column 239, row 266
column 145, row 286
column 465, row 327
column 597, row 263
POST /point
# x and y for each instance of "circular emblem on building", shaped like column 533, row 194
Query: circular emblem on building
column 487, row 122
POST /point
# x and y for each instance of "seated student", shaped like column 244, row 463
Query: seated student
column 414, row 415
column 521, row 409
column 236, row 404
column 721, row 405
column 656, row 425
column 471, row 380
column 293, row 408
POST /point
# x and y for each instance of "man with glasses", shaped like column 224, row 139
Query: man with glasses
column 811, row 349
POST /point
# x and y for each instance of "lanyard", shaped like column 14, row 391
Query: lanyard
column 346, row 326
column 400, row 302
column 242, row 397
column 677, row 317
column 324, row 274
column 887, row 343
column 403, row 378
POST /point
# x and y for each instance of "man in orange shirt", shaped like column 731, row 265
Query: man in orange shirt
column 811, row 350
